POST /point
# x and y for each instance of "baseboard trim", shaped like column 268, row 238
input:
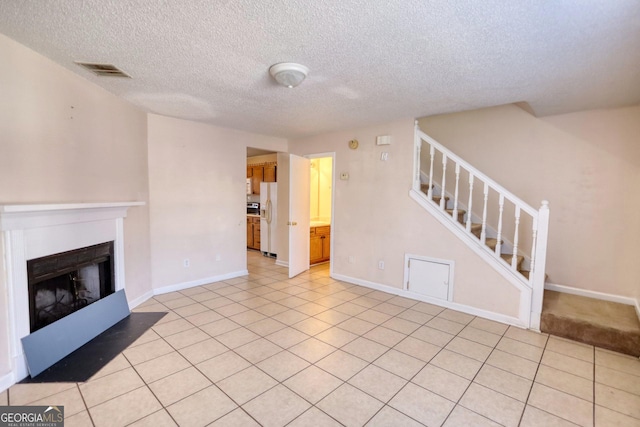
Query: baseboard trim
column 435, row 301
column 141, row 299
column 282, row 263
column 7, row 381
column 199, row 282
column 595, row 295
column 591, row 294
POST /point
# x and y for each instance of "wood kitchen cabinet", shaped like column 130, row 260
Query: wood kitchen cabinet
column 261, row 173
column 269, row 173
column 256, row 173
column 319, row 244
column 253, row 232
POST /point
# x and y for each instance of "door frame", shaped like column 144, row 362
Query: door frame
column 331, row 154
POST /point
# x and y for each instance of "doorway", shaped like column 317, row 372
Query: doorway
column 321, row 184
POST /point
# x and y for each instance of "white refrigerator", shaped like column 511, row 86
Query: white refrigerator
column 268, row 218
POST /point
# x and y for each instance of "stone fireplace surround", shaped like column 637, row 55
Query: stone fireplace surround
column 33, row 231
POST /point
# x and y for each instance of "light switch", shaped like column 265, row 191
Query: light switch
column 384, row 156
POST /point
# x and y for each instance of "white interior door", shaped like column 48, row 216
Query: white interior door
column 298, row 223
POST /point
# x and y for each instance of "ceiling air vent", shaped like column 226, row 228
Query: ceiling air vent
column 104, row 70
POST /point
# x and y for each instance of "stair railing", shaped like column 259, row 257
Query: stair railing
column 522, row 212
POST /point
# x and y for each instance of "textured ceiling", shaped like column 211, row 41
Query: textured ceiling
column 370, row 60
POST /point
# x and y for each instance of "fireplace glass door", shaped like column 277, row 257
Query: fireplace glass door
column 69, row 281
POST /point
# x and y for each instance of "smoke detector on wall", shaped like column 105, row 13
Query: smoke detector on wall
column 288, row 74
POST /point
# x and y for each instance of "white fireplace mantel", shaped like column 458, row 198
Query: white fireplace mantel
column 32, row 231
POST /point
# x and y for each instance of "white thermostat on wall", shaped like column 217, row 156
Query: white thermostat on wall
column 383, row 140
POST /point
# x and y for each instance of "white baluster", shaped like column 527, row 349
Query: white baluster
column 418, row 144
column 469, row 206
column 455, row 196
column 499, row 237
column 430, row 189
column 444, row 179
column 514, row 260
column 534, row 236
column 483, row 233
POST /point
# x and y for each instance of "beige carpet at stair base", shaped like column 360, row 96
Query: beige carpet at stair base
column 602, row 323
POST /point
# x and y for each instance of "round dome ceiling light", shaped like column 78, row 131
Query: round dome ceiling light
column 288, row 74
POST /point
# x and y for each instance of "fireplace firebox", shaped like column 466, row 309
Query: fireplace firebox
column 63, row 283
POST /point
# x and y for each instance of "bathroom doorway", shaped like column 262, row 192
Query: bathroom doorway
column 320, row 207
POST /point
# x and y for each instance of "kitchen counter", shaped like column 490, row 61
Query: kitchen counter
column 253, row 216
column 319, row 223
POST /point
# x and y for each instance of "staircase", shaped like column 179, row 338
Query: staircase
column 500, row 227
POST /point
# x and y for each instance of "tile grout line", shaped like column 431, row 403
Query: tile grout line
column 594, row 388
column 85, row 404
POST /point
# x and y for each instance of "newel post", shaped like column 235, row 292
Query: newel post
column 539, row 272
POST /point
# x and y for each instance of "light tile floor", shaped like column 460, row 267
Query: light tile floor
column 312, row 351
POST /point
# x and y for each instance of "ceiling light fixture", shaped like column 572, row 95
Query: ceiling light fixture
column 288, row 74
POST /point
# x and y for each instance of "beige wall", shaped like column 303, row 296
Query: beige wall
column 197, row 177
column 375, row 219
column 64, row 139
column 587, row 164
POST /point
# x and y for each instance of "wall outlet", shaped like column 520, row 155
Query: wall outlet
column 380, row 265
column 218, row 257
column 352, row 259
column 186, row 262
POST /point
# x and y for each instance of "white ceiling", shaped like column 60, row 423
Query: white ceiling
column 370, row 60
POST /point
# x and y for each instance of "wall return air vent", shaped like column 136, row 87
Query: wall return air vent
column 103, row 70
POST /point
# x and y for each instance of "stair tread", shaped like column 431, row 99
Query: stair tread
column 509, row 257
column 492, row 242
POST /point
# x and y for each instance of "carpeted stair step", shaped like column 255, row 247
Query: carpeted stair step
column 492, row 243
column 605, row 324
column 461, row 214
column 509, row 257
column 425, row 188
column 526, row 273
column 437, row 199
column 476, row 229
